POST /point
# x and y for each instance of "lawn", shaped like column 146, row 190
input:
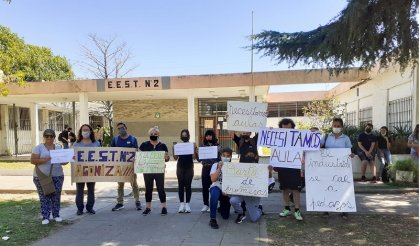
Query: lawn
column 20, row 221
column 20, row 165
column 383, row 229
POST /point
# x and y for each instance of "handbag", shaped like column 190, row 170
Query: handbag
column 46, row 181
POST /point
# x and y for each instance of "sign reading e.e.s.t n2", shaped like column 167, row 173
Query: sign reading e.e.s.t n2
column 133, row 84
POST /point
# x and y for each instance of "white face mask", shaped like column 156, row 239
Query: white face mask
column 225, row 159
column 336, row 130
column 86, row 134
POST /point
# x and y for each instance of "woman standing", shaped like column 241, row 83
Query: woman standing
column 41, row 159
column 384, row 153
column 155, row 145
column 85, row 138
column 185, row 174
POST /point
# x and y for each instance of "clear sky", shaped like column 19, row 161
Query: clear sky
column 182, row 37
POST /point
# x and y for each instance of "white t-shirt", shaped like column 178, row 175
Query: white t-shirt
column 218, row 182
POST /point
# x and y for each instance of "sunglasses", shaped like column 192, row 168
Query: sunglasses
column 49, row 136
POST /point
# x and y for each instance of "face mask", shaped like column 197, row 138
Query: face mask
column 368, row 130
column 185, row 139
column 225, row 159
column 336, row 130
column 383, row 133
column 86, row 134
column 153, row 138
column 122, row 132
column 245, row 137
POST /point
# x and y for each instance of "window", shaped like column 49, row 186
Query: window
column 286, row 109
column 24, row 119
column 400, row 113
column 351, row 118
column 365, row 116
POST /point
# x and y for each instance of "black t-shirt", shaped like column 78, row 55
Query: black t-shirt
column 73, row 137
column 245, row 147
column 382, row 144
column 185, row 161
column 366, row 140
column 148, row 146
column 64, row 134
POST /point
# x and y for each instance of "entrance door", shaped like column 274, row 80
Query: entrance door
column 206, row 123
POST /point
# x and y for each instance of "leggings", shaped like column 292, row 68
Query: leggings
column 50, row 203
column 206, row 182
column 185, row 177
column 160, row 185
column 90, row 196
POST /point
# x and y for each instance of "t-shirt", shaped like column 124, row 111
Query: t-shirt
column 413, row 139
column 72, row 137
column 43, row 152
column 80, row 144
column 366, row 140
column 129, row 142
column 245, row 147
column 64, row 134
column 218, row 182
column 343, row 141
column 382, row 144
column 148, row 146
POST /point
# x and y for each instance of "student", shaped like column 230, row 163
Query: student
column 72, row 136
column 185, row 174
column 155, row 145
column 85, row 138
column 384, row 153
column 367, row 142
column 128, row 141
column 209, row 140
column 216, row 193
column 245, row 144
column 63, row 137
column 413, row 143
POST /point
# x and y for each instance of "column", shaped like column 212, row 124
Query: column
column 34, row 124
column 252, row 93
column 191, row 117
column 83, row 109
column 4, row 121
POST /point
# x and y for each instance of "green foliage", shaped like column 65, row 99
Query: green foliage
column 303, row 125
column 399, row 137
column 107, row 137
column 321, row 112
column 408, row 165
column 353, row 133
column 366, row 32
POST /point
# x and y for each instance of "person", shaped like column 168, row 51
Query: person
column 336, row 139
column 216, row 194
column 155, row 145
column 63, row 137
column 185, row 174
column 246, row 144
column 366, row 143
column 247, row 204
column 128, row 141
column 384, row 153
column 85, row 138
column 413, row 143
column 99, row 134
column 72, row 136
column 209, row 140
column 40, row 157
column 290, row 181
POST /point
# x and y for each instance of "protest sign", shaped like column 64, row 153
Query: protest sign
column 150, row 162
column 329, row 181
column 246, row 116
column 103, row 164
column 286, row 157
column 209, row 152
column 59, row 156
column 289, row 138
column 184, row 149
column 245, row 179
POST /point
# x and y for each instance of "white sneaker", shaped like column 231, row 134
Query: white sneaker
column 187, row 208
column 205, row 209
column 58, row 219
column 45, row 222
column 181, row 208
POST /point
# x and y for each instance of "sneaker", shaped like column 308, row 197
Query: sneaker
column 91, row 211
column 147, row 211
column 240, row 218
column 260, row 207
column 291, row 200
column 58, row 219
column 298, row 216
column 138, row 206
column 363, row 179
column 79, row 212
column 205, row 209
column 164, row 211
column 181, row 208
column 45, row 222
column 344, row 215
column 213, row 224
column 187, row 208
column 285, row 213
column 118, row 207
column 373, row 180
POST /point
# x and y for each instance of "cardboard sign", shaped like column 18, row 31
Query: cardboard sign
column 289, row 138
column 150, row 162
column 286, row 157
column 329, row 181
column 102, row 164
column 246, row 116
column 184, row 149
column 245, row 179
column 209, row 152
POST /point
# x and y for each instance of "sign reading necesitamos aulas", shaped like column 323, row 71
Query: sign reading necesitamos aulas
column 133, row 84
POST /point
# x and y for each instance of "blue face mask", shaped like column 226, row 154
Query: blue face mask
column 225, row 159
column 122, row 131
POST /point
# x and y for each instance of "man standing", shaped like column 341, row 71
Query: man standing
column 366, row 143
column 125, row 140
column 63, row 137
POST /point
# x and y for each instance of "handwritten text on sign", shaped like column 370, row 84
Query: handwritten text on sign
column 103, row 164
column 245, row 179
column 246, row 116
column 150, row 162
column 286, row 157
column 329, row 181
column 289, row 138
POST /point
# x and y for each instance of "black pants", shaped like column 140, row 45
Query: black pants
column 80, row 187
column 160, row 185
column 206, row 182
column 185, row 177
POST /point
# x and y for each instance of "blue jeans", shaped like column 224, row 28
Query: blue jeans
column 216, row 196
column 252, row 204
column 80, row 187
column 386, row 159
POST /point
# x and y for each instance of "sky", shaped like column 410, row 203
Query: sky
column 167, row 38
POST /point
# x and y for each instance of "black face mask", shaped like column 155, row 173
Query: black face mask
column 153, row 138
column 245, row 137
column 368, row 130
column 185, row 139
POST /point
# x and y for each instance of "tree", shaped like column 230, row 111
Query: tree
column 365, row 33
column 21, row 62
column 106, row 59
column 321, row 112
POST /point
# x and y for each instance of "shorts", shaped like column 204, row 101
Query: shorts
column 289, row 178
column 363, row 156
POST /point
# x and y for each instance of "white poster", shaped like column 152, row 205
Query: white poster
column 184, row 149
column 59, row 156
column 246, row 116
column 329, row 181
column 286, row 157
column 245, row 179
column 289, row 138
column 209, row 152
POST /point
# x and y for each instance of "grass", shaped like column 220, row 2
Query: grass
column 20, row 221
column 21, row 165
column 378, row 229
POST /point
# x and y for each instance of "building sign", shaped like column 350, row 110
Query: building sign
column 133, row 84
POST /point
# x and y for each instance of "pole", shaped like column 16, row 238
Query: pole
column 15, row 125
column 252, row 87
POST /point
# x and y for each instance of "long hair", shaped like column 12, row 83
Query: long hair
column 186, row 131
column 213, row 139
column 92, row 134
column 286, row 121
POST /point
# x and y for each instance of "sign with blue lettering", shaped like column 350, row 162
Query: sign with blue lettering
column 289, row 138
